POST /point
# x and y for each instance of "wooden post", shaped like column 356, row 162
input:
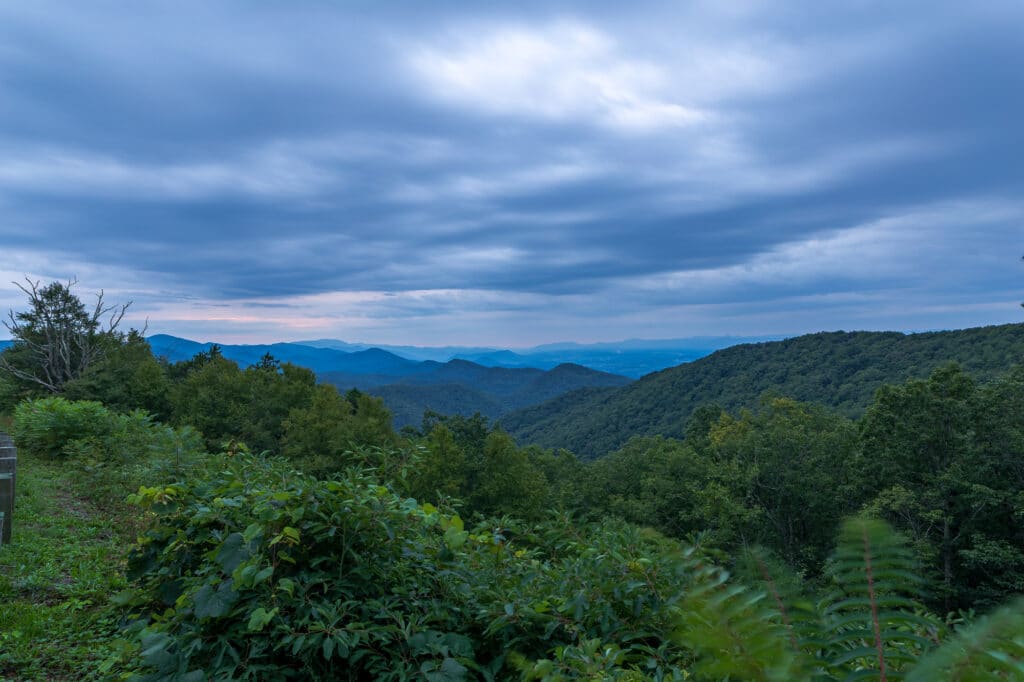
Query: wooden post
column 8, row 477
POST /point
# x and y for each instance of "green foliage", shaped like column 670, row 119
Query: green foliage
column 589, row 600
column 256, row 405
column 941, row 460
column 991, row 649
column 869, row 624
column 736, row 632
column 112, row 453
column 564, row 474
column 263, row 573
column 318, row 431
column 318, row 436
column 507, row 481
column 468, row 460
column 841, row 370
column 371, row 423
column 872, row 611
column 780, row 477
column 799, row 460
column 665, row 484
column 273, row 390
column 127, row 378
column 13, row 391
column 46, row 426
column 469, row 433
column 212, row 398
column 441, row 473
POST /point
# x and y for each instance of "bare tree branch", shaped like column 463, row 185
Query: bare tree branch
column 58, row 339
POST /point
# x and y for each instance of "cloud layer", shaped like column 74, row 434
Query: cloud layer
column 517, row 175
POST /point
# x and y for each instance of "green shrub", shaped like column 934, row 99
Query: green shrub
column 263, row 573
column 137, row 451
column 113, row 453
column 46, row 426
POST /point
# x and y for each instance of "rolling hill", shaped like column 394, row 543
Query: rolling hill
column 839, row 369
column 462, row 387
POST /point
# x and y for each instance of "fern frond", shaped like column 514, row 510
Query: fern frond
column 991, row 649
column 872, row 615
column 736, row 632
column 759, row 568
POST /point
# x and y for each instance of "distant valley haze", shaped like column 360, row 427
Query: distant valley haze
column 630, row 358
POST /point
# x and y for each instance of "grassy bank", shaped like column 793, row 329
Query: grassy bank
column 56, row 579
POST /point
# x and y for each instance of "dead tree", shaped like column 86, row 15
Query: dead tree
column 58, row 338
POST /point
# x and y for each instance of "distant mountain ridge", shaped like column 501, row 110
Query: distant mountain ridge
column 410, row 387
column 369, row 361
column 839, row 369
column 632, row 357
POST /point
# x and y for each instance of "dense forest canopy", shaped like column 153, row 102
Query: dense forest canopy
column 841, row 370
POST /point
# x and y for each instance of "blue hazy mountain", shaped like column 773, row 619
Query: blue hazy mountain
column 369, row 361
column 435, row 353
column 633, row 357
column 409, row 387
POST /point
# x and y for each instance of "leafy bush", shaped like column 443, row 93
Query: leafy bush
column 114, row 453
column 137, row 451
column 47, row 426
column 263, row 573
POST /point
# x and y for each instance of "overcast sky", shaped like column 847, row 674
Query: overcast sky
column 517, row 173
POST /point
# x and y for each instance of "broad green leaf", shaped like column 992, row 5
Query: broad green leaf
column 263, row 575
column 210, row 603
column 455, row 538
column 233, row 551
column 252, row 532
column 449, row 671
column 259, row 618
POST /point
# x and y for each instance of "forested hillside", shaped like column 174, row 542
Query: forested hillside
column 464, row 388
column 838, row 369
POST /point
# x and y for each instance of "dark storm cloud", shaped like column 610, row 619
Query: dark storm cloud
column 552, row 151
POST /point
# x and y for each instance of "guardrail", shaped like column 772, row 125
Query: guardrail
column 8, row 478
